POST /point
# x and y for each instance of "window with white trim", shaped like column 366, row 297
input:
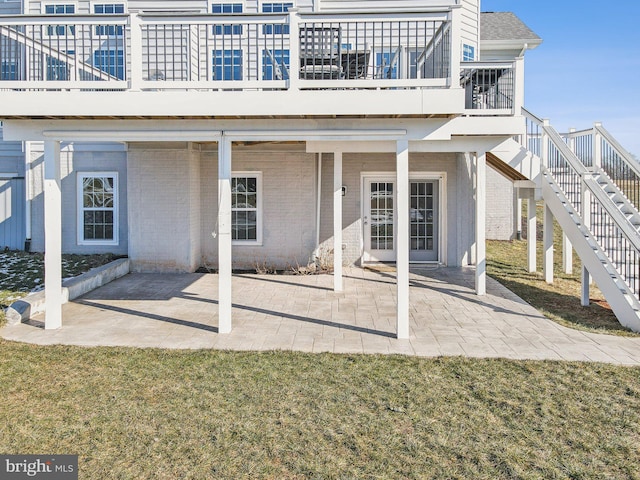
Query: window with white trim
column 246, row 208
column 60, row 9
column 110, row 61
column 98, row 208
column 226, row 9
column 468, row 53
column 109, row 9
column 227, row 64
column 276, row 29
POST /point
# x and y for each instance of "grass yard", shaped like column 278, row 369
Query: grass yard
column 153, row 414
column 22, row 272
column 560, row 301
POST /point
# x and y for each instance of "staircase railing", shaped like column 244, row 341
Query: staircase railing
column 597, row 148
column 608, row 226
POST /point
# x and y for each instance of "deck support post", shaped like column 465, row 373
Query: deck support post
column 224, row 236
column 402, row 237
column 481, row 213
column 532, row 228
column 53, row 236
column 547, row 239
column 584, row 290
column 567, row 255
column 337, row 222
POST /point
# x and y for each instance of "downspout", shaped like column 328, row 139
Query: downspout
column 27, row 193
column 318, row 200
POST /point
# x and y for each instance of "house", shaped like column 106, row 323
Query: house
column 236, row 134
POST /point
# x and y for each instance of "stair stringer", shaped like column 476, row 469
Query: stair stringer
column 623, row 302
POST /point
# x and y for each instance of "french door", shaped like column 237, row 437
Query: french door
column 379, row 219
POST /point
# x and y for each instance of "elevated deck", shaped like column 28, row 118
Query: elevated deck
column 292, row 64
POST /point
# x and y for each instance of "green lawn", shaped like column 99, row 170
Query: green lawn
column 137, row 414
column 560, row 301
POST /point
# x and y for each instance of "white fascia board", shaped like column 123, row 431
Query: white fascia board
column 130, row 104
column 509, row 44
column 337, row 129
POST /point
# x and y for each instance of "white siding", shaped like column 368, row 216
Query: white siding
column 12, row 196
column 471, row 23
column 12, row 226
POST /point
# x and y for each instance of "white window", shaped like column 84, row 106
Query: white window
column 59, row 9
column 246, row 208
column 468, row 53
column 226, row 9
column 109, row 9
column 97, row 208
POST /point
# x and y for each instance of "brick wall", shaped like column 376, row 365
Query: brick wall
column 164, row 196
column 500, row 221
column 289, row 196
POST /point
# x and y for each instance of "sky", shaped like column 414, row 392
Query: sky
column 587, row 68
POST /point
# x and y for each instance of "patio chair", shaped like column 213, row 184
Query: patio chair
column 320, row 53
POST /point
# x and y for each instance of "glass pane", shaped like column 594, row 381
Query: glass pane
column 421, row 215
column 381, row 212
column 87, row 200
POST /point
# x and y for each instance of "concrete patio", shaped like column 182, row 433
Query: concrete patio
column 303, row 313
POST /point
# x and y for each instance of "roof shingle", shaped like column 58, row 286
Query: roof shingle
column 504, row 26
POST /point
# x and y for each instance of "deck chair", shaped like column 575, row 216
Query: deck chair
column 320, row 52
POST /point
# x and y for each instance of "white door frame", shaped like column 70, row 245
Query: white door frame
column 440, row 177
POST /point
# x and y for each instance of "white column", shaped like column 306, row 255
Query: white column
column 402, row 237
column 224, row 236
column 53, row 236
column 531, row 231
column 481, row 204
column 567, row 255
column 294, row 49
column 597, row 145
column 337, row 222
column 584, row 291
column 547, row 239
column 518, row 98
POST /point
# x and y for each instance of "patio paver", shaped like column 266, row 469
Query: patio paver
column 286, row 312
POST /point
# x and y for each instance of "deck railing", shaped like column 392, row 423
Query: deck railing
column 71, row 51
column 240, row 51
column 489, row 85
